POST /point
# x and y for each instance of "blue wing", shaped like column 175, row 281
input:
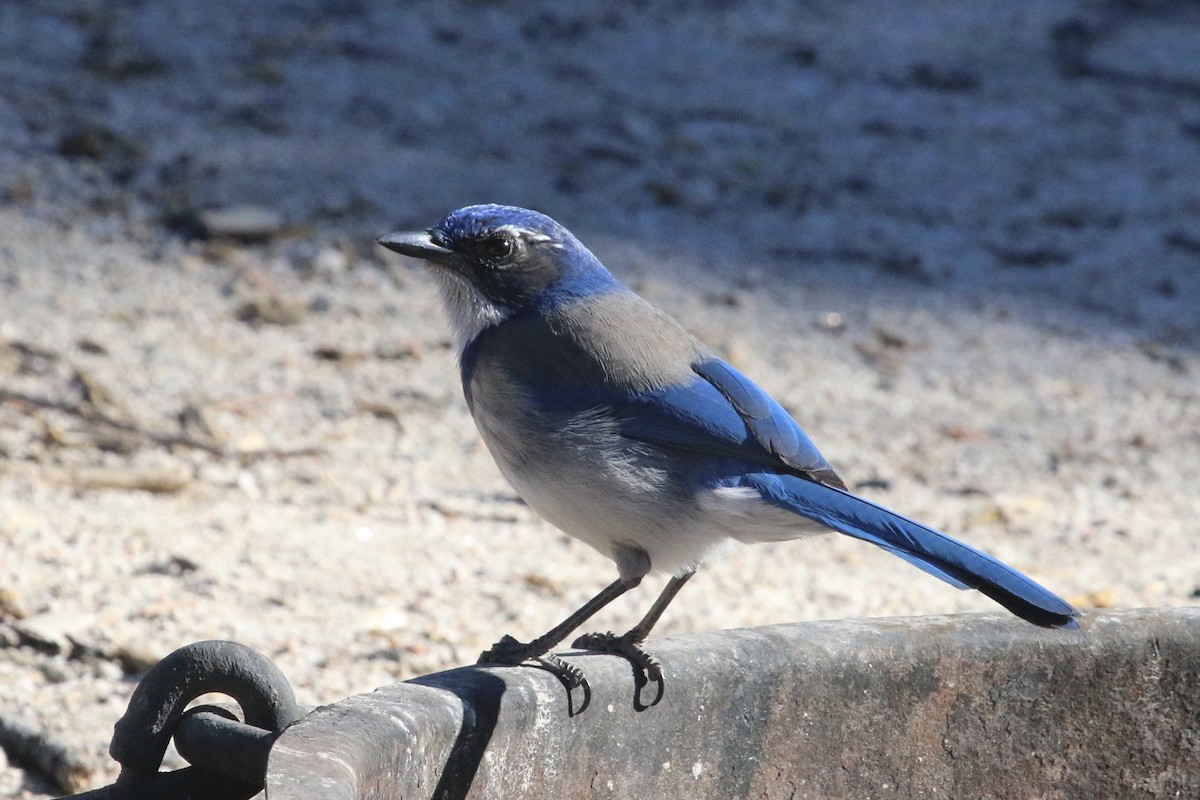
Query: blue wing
column 719, row 413
column 723, row 413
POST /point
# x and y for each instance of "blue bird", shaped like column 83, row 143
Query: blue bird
column 620, row 428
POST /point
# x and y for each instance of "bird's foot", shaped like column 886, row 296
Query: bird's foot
column 510, row 652
column 649, row 668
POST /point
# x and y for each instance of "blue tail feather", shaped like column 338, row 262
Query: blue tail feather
column 946, row 558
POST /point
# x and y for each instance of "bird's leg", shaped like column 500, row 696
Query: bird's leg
column 629, row 644
column 509, row 651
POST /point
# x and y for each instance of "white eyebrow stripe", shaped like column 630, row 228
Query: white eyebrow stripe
column 524, row 233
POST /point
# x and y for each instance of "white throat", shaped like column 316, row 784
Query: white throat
column 470, row 312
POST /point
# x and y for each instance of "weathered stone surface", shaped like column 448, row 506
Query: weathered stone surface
column 979, row 706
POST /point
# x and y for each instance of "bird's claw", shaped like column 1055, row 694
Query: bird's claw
column 569, row 674
column 507, row 651
column 510, row 652
column 649, row 667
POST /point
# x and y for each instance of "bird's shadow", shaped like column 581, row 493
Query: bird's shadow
column 481, row 694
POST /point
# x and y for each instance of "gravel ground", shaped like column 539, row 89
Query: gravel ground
column 960, row 242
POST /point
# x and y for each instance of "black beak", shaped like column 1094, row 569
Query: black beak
column 417, row 244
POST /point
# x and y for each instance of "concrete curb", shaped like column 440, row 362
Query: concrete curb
column 973, row 706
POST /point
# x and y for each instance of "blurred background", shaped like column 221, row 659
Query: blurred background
column 960, row 242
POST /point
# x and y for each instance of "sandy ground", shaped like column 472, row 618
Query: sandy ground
column 960, row 243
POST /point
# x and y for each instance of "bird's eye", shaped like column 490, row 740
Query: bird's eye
column 498, row 247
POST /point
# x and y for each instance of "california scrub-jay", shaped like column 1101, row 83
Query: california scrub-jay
column 624, row 431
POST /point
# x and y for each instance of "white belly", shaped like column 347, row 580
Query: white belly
column 608, row 492
column 611, row 493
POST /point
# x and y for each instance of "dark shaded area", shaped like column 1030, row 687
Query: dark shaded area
column 1047, row 154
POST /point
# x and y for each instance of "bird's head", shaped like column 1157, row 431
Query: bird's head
column 494, row 261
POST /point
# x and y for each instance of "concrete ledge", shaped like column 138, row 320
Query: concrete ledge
column 976, row 706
